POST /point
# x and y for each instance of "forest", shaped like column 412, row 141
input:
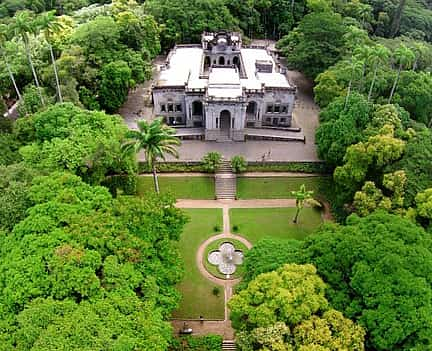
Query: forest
column 86, row 264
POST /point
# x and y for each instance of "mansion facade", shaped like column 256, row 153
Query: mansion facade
column 224, row 88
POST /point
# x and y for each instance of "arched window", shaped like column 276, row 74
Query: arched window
column 222, row 60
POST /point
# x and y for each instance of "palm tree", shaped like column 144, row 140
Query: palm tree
column 353, row 39
column 47, row 22
column 404, row 56
column 419, row 49
column 362, row 53
column 156, row 139
column 379, row 56
column 357, row 67
column 3, row 39
column 302, row 196
column 22, row 26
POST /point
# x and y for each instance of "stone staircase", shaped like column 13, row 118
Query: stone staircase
column 228, row 345
column 225, row 182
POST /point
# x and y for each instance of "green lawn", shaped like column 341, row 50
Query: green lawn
column 180, row 187
column 278, row 187
column 196, row 290
column 257, row 223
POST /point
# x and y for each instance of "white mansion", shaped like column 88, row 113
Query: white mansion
column 223, row 88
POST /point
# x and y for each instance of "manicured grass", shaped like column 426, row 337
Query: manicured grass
column 257, row 223
column 278, row 187
column 197, row 296
column 215, row 246
column 180, row 187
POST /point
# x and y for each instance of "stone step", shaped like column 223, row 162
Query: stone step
column 225, row 181
column 228, row 345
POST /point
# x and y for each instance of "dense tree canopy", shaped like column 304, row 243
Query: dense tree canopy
column 316, row 43
column 184, row 22
column 87, row 143
column 379, row 273
column 286, row 309
column 81, row 253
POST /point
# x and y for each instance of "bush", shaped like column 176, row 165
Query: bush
column 238, row 164
column 304, row 167
column 127, row 184
column 167, row 167
column 216, row 291
column 235, row 228
column 216, row 228
column 208, row 342
column 212, row 161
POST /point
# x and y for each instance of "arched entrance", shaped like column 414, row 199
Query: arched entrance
column 197, row 108
column 207, row 63
column 251, row 108
column 222, row 60
column 236, row 61
column 225, row 123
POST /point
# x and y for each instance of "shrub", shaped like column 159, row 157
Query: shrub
column 238, row 164
column 212, row 161
column 216, row 228
column 199, row 343
column 235, row 228
column 216, row 291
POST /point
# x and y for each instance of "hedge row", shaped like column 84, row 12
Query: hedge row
column 197, row 343
column 303, row 167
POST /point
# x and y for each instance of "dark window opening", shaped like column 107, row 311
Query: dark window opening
column 269, row 108
column 284, row 109
column 197, row 108
column 179, row 108
column 222, row 60
column 170, row 108
column 277, row 109
column 163, row 108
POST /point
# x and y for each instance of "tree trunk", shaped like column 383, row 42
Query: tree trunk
column 296, row 215
column 155, row 179
column 395, row 83
column 395, row 26
column 11, row 76
column 34, row 72
column 56, row 74
column 348, row 94
column 373, row 83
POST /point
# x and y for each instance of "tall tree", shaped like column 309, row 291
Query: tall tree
column 378, row 57
column 156, row 139
column 404, row 57
column 22, row 26
column 3, row 39
column 47, row 22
